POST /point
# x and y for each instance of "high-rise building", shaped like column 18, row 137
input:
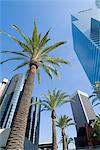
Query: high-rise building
column 33, row 124
column 84, row 115
column 10, row 100
column 86, row 41
column 45, row 146
column 3, row 87
column 8, row 109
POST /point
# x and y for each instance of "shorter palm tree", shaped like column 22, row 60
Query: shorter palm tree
column 68, row 140
column 96, row 128
column 96, row 94
column 63, row 122
column 52, row 100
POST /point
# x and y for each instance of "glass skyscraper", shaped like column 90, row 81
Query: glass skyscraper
column 9, row 107
column 86, row 41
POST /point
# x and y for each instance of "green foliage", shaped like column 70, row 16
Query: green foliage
column 68, row 140
column 96, row 128
column 96, row 94
column 34, row 51
column 54, row 99
column 64, row 121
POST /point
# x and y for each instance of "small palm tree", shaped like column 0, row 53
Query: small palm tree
column 35, row 55
column 96, row 94
column 96, row 128
column 52, row 101
column 63, row 122
column 68, row 140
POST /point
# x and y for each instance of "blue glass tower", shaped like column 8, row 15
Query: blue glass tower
column 9, row 107
column 86, row 41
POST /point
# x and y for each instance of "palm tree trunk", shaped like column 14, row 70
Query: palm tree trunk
column 54, row 137
column 64, row 140
column 17, row 134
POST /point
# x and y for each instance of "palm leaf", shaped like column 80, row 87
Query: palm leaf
column 41, row 103
column 35, row 36
column 47, row 70
column 21, row 65
column 20, row 32
column 38, row 75
column 18, row 53
column 56, row 60
column 23, row 45
column 44, row 39
column 53, row 69
column 51, row 48
column 16, row 58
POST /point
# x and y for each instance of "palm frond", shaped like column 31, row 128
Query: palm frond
column 44, row 40
column 23, row 45
column 47, row 70
column 42, row 103
column 35, row 36
column 20, row 32
column 10, row 59
column 53, row 69
column 38, row 75
column 53, row 47
column 56, row 60
column 21, row 65
column 17, row 53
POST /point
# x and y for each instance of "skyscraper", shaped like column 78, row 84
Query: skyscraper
column 84, row 115
column 86, row 40
column 10, row 100
column 3, row 87
column 33, row 124
column 9, row 107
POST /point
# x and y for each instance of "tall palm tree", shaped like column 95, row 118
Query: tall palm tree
column 34, row 54
column 96, row 94
column 63, row 122
column 52, row 100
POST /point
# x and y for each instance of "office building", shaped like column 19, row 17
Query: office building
column 84, row 115
column 86, row 41
column 9, row 108
column 45, row 146
column 33, row 124
column 3, row 88
column 10, row 100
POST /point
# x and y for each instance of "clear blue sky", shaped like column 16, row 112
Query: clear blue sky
column 53, row 14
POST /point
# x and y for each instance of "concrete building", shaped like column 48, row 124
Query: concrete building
column 86, row 41
column 84, row 115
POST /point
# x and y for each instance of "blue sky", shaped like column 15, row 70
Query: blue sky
column 53, row 14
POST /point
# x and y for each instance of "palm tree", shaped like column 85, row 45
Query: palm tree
column 52, row 100
column 96, row 94
column 35, row 55
column 96, row 128
column 68, row 140
column 63, row 122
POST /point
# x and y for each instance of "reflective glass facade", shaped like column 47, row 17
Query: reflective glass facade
column 86, row 41
column 9, row 108
column 33, row 124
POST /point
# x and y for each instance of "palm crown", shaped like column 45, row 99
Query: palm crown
column 54, row 98
column 35, row 52
column 64, row 121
